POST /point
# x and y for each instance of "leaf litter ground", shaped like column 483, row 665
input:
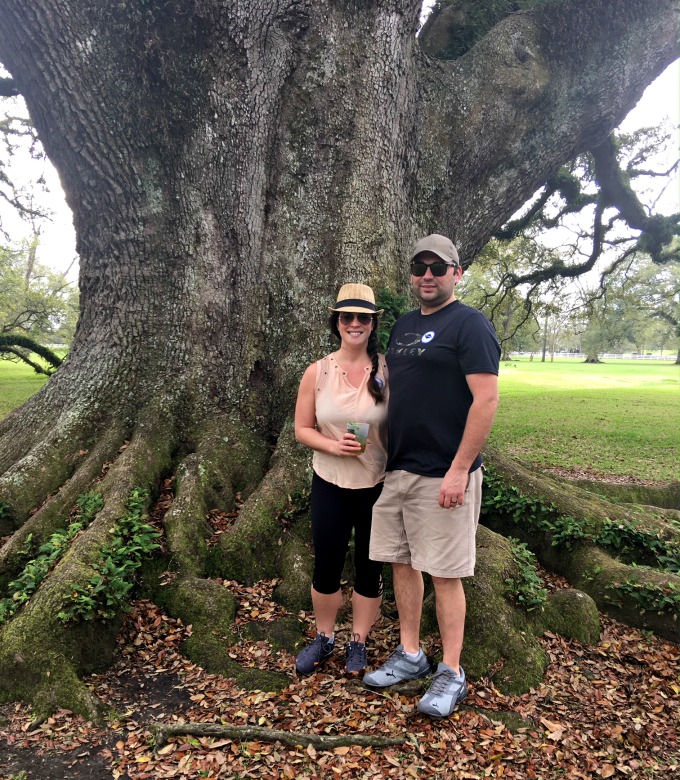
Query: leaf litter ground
column 607, row 710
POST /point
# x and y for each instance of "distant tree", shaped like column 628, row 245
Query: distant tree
column 656, row 295
column 638, row 302
column 37, row 308
column 605, row 331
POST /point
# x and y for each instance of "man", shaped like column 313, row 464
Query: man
column 443, row 373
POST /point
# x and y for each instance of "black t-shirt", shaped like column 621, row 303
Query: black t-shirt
column 428, row 358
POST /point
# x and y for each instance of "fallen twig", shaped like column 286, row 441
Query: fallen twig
column 292, row 738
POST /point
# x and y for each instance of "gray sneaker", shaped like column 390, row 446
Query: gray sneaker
column 447, row 691
column 397, row 668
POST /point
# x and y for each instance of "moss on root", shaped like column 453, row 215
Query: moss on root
column 53, row 514
column 664, row 496
column 496, row 629
column 616, row 587
column 42, row 472
column 296, row 568
column 286, row 633
column 42, row 663
column 251, row 551
column 210, row 608
column 42, row 658
column 600, row 575
column 229, row 460
column 572, row 614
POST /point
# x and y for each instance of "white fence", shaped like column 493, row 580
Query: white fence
column 605, row 356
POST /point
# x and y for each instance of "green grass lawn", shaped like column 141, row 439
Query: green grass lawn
column 615, row 418
column 17, row 383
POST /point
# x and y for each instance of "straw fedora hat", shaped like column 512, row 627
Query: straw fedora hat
column 357, row 298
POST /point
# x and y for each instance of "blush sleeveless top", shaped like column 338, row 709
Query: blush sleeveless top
column 337, row 403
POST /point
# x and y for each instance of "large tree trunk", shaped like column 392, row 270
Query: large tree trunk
column 229, row 165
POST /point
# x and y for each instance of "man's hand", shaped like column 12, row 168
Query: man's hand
column 452, row 491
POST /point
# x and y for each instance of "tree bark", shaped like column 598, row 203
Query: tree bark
column 229, row 166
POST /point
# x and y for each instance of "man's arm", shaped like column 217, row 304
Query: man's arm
column 484, row 389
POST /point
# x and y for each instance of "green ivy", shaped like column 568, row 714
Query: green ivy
column 507, row 500
column 46, row 556
column 565, row 531
column 106, row 592
column 650, row 596
column 628, row 538
column 527, row 588
column 394, row 306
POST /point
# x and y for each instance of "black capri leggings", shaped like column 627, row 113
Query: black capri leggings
column 335, row 512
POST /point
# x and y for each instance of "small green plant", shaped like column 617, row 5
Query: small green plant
column 628, row 538
column 106, row 591
column 648, row 595
column 5, row 510
column 508, row 500
column 527, row 588
column 47, row 555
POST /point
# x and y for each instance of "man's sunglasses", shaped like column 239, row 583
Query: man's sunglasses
column 438, row 269
column 347, row 318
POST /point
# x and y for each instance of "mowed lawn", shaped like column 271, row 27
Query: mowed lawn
column 619, row 418
column 17, row 383
column 616, row 418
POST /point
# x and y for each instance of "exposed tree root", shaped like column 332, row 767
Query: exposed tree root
column 36, row 474
column 291, row 738
column 229, row 461
column 41, row 657
column 251, row 551
column 616, row 587
column 666, row 496
column 51, row 515
column 588, row 508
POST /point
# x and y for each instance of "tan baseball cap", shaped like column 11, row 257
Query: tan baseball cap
column 439, row 245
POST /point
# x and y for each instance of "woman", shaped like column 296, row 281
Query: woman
column 347, row 386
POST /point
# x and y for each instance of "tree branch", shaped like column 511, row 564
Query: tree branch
column 10, row 343
column 507, row 99
column 291, row 738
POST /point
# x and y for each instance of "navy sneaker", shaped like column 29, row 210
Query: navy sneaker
column 447, row 691
column 317, row 652
column 397, row 668
column 356, row 656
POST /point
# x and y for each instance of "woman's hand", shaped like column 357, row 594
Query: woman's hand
column 348, row 446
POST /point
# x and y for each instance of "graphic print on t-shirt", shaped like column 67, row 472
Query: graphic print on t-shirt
column 411, row 343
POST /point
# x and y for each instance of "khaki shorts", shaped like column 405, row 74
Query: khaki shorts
column 410, row 527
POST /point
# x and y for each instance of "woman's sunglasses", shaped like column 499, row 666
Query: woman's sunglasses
column 438, row 269
column 347, row 318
